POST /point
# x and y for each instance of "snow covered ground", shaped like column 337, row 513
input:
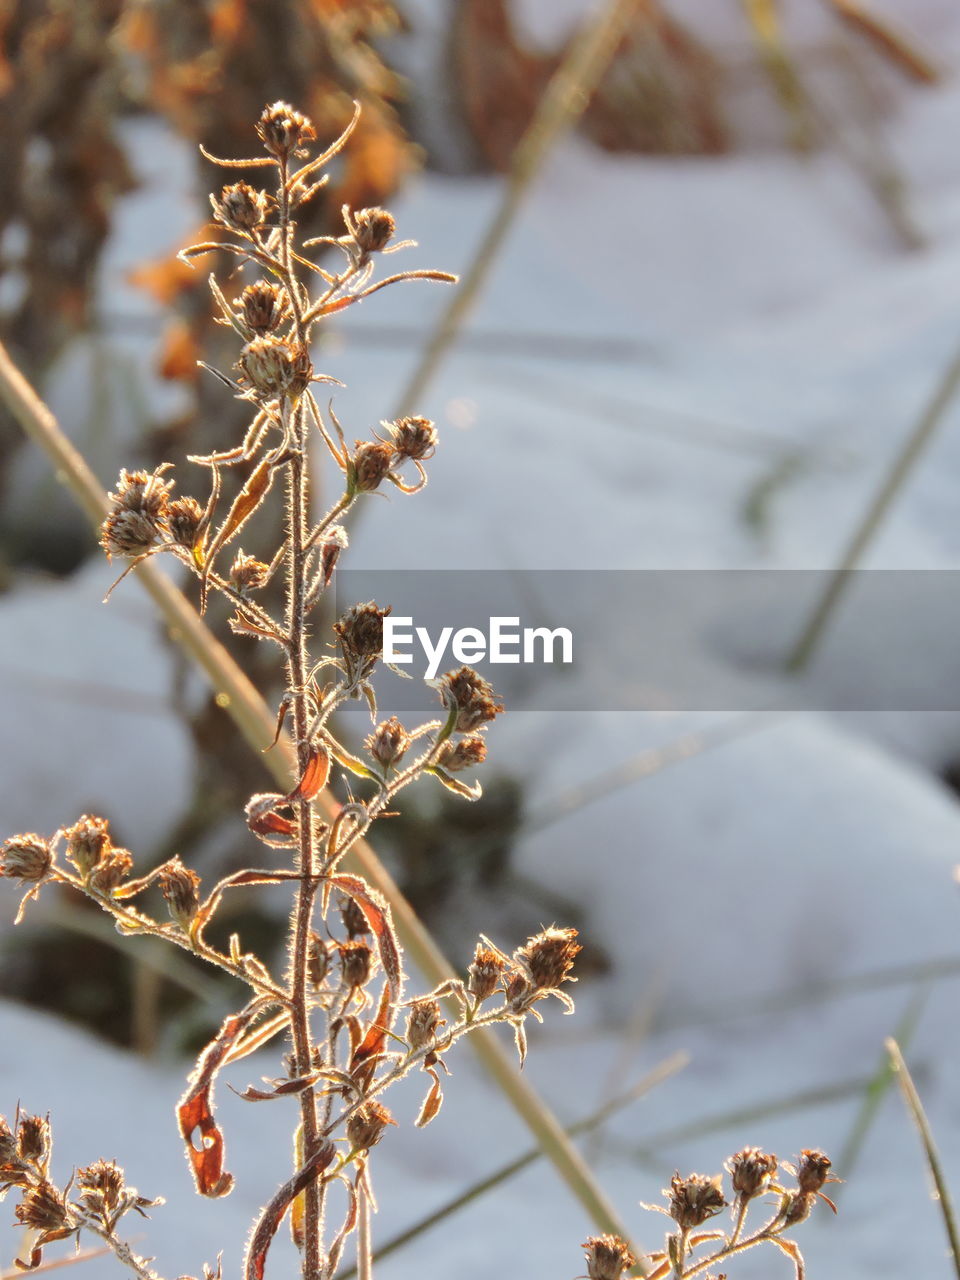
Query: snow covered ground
column 780, row 898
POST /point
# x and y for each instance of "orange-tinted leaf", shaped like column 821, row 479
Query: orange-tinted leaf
column 255, row 489
column 271, row 823
column 363, row 1061
column 432, row 1102
column 315, row 774
column 178, row 357
column 164, row 281
column 195, row 1109
column 270, row 1219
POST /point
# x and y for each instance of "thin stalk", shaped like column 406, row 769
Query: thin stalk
column 564, row 101
column 877, row 510
column 918, row 1115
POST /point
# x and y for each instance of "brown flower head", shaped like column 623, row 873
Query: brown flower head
column 365, row 1127
column 86, row 841
column 473, row 697
column 111, row 871
column 318, row 959
column 283, row 131
column 547, row 958
column 370, row 464
column 607, row 1257
column 813, row 1170
column 465, row 754
column 798, row 1207
column 247, row 574
column 8, row 1144
column 137, row 519
column 751, row 1171
column 694, row 1199
column 27, row 858
column 414, row 438
column 262, row 307
column 373, row 229
column 354, row 921
column 179, row 886
column 241, row 207
column 101, row 1188
column 44, row 1209
column 184, row 516
column 270, row 365
column 360, row 632
column 33, row 1139
column 389, row 742
column 356, row 962
column 423, row 1023
column 483, row 976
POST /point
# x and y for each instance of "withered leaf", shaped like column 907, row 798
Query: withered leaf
column 432, row 1102
column 266, row 1228
column 377, row 912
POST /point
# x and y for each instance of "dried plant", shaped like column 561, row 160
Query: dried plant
column 351, row 1032
column 696, row 1200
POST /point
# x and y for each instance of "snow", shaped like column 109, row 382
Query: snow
column 777, row 898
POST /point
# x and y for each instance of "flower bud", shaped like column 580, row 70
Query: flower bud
column 373, row 229
column 365, row 1127
column 360, row 632
column 179, row 886
column 27, row 858
column 183, row 517
column 334, row 541
column 318, row 959
column 8, row 1144
column 465, row 754
column 484, row 973
column 371, row 463
column 389, row 742
column 354, row 921
column 111, row 871
column 33, row 1139
column 414, row 438
column 248, row 574
column 137, row 519
column 86, row 841
column 269, row 365
column 473, row 697
column 356, row 962
column 695, row 1199
column 101, row 1188
column 423, row 1023
column 813, row 1170
column 241, row 207
column 751, row 1171
column 607, row 1257
column 43, row 1208
column 262, row 307
column 283, row 130
column 548, row 957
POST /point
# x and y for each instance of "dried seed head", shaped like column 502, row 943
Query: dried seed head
column 8, row 1144
column 283, row 130
column 43, row 1208
column 137, row 519
column 262, row 307
column 813, row 1170
column 414, row 438
column 751, row 1171
column 302, row 371
column 474, row 698
column 110, row 872
column 179, row 886
column 423, row 1023
column 371, row 463
column 361, row 630
column 365, row 1127
column 318, row 960
column 86, row 841
column 354, row 921
column 248, row 574
column 465, row 754
column 607, row 1257
column 33, row 1139
column 483, row 976
column 183, row 518
column 270, row 365
column 356, row 962
column 389, row 742
column 695, row 1199
column 101, row 1187
column 548, row 957
column 241, row 207
column 373, row 229
column 27, row 858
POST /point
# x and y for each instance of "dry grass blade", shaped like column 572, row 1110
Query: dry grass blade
column 915, row 1107
column 243, row 703
column 83, row 1255
column 565, row 99
column 764, row 21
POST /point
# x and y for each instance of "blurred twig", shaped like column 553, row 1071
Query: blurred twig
column 877, row 509
column 917, row 1114
column 237, row 695
column 565, row 99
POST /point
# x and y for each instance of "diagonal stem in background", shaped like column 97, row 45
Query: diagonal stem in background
column 240, row 699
